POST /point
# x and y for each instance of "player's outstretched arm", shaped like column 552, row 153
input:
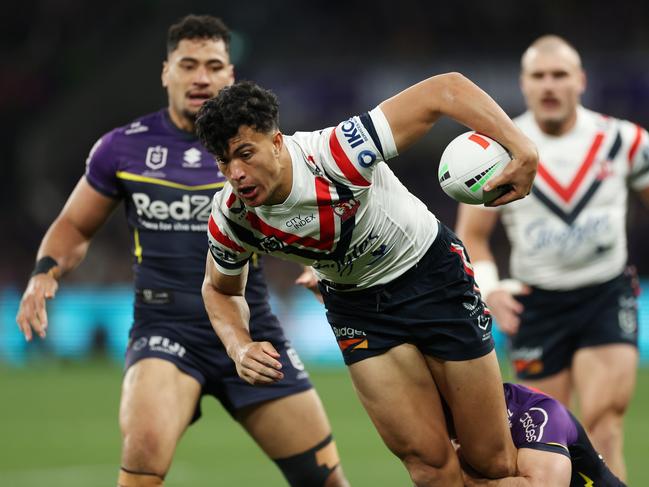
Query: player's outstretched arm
column 64, row 246
column 223, row 295
column 413, row 112
column 536, row 468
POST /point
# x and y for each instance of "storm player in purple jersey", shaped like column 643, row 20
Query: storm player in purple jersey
column 166, row 179
column 554, row 449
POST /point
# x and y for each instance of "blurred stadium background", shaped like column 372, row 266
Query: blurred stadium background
column 72, row 70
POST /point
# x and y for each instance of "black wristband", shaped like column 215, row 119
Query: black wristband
column 44, row 265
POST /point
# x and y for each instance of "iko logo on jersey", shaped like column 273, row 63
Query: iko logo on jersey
column 156, row 157
column 189, row 207
column 158, row 343
column 366, row 158
column 353, row 133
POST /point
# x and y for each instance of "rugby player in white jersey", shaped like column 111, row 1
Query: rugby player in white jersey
column 397, row 284
column 573, row 328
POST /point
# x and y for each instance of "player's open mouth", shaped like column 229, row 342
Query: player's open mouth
column 247, row 192
column 198, row 98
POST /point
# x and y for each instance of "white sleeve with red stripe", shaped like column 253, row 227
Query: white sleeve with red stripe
column 638, row 157
column 230, row 257
column 358, row 145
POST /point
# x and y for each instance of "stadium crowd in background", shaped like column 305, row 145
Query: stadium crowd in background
column 571, row 316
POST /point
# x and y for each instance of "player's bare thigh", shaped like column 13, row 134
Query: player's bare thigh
column 474, row 392
column 287, row 426
column 558, row 385
column 398, row 392
column 157, row 404
column 605, row 377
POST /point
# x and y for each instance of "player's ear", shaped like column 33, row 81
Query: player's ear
column 165, row 73
column 278, row 142
column 584, row 82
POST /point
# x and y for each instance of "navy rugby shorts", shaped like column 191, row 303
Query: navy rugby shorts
column 555, row 324
column 197, row 351
column 435, row 305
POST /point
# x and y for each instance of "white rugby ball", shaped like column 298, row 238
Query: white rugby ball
column 467, row 163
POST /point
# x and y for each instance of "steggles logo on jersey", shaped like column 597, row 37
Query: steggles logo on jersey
column 533, row 432
column 221, row 254
column 271, row 244
column 346, row 209
column 191, row 158
column 156, row 157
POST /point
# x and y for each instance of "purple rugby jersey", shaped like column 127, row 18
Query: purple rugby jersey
column 167, row 180
column 540, row 422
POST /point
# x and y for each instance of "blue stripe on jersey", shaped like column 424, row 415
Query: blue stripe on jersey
column 366, row 120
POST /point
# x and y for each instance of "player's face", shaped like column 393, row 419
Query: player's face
column 256, row 168
column 193, row 73
column 552, row 83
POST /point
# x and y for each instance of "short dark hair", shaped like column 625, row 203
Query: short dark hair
column 197, row 27
column 242, row 104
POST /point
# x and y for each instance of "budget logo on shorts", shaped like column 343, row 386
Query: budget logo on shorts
column 350, row 339
column 156, row 157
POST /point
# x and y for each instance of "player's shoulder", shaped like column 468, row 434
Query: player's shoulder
column 603, row 121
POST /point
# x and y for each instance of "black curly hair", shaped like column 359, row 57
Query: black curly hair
column 242, row 104
column 197, row 27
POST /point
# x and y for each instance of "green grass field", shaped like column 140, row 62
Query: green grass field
column 58, row 427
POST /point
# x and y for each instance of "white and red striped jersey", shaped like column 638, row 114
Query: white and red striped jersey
column 570, row 232
column 347, row 214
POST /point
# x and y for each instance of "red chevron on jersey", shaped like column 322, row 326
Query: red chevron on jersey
column 567, row 192
column 343, row 162
column 327, row 225
column 221, row 237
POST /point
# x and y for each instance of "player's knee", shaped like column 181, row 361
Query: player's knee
column 128, row 478
column 494, row 463
column 144, row 450
column 424, row 472
column 316, row 467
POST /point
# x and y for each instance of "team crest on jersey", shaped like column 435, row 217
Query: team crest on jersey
column 271, row 244
column 346, row 209
column 156, row 157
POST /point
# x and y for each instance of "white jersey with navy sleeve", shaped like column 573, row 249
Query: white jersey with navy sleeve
column 347, row 214
column 570, row 232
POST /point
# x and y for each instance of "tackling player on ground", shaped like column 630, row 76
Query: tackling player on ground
column 553, row 448
column 397, row 284
column 574, row 327
column 166, row 179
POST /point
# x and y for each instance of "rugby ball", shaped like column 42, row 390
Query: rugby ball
column 467, row 163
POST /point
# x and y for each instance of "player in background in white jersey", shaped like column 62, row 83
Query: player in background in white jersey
column 572, row 322
column 397, row 285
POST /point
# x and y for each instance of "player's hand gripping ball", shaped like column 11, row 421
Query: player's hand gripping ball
column 468, row 162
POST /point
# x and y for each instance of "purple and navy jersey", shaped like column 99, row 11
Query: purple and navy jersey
column 167, row 180
column 541, row 422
